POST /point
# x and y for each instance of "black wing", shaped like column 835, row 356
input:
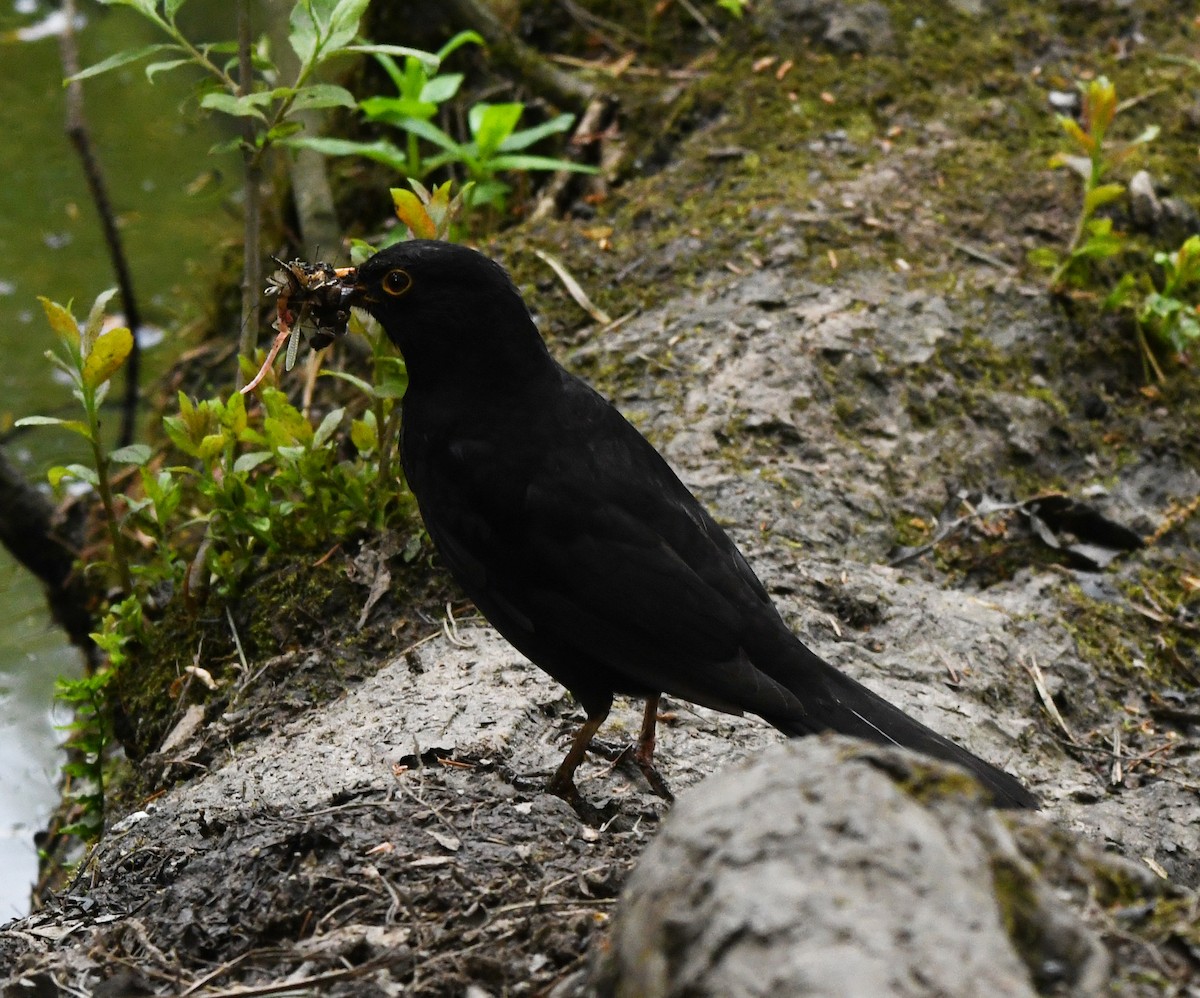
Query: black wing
column 584, row 549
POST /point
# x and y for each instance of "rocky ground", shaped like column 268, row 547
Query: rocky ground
column 834, row 339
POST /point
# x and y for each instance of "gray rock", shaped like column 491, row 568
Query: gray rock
column 843, row 27
column 1170, row 219
column 826, row 868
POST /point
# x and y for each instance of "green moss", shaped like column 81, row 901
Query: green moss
column 1016, row 897
column 300, row 603
column 928, row 784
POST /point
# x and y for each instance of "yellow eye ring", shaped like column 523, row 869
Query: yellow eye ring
column 396, row 282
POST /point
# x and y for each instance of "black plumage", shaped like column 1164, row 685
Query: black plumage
column 574, row 537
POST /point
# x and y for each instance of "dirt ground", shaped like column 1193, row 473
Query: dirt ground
column 827, row 325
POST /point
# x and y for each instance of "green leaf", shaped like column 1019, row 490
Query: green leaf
column 526, row 162
column 431, row 133
column 143, row 7
column 361, row 251
column 1073, row 129
column 304, row 34
column 328, row 427
column 1079, row 164
column 491, row 124
column 441, row 88
column 229, row 145
column 381, row 151
column 74, row 425
column 154, row 68
column 211, row 445
column 176, row 431
column 61, row 321
column 459, row 40
column 108, row 354
column 171, row 8
column 396, row 111
column 364, row 434
column 427, row 58
column 412, row 213
column 528, row 136
column 343, row 24
column 80, row 472
column 1101, row 195
column 322, row 95
column 245, row 106
column 137, row 454
column 488, row 192
column 234, row 416
column 95, row 319
column 248, row 462
column 1120, row 293
column 364, row 386
column 120, row 59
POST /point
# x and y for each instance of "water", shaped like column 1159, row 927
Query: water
column 50, row 244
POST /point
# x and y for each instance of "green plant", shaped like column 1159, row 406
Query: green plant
column 420, row 91
column 245, row 83
column 320, row 30
column 270, row 482
column 1165, row 315
column 90, row 356
column 495, row 146
column 1093, row 237
column 89, row 735
column 90, row 730
column 257, row 483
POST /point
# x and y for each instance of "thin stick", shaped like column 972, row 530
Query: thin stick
column 574, row 289
column 251, row 264
column 1039, row 682
column 81, row 138
column 701, row 20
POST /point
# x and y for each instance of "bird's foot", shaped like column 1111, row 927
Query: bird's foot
column 634, row 754
column 588, row 813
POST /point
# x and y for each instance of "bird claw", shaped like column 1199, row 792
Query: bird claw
column 633, row 754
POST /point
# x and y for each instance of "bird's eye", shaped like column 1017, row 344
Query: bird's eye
column 396, row 282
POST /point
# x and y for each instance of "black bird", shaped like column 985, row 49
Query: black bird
column 575, row 538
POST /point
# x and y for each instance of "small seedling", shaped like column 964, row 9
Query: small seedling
column 89, row 355
column 1093, row 160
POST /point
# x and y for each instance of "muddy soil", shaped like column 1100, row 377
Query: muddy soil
column 837, row 344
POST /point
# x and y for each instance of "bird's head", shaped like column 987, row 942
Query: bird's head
column 449, row 309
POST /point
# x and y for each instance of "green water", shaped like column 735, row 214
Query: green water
column 153, row 147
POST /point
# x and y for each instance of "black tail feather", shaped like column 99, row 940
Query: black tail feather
column 835, row 702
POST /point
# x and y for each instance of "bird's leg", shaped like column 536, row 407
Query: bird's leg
column 643, row 755
column 562, row 783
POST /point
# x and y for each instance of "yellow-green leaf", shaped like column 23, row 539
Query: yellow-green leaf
column 107, row 354
column 1099, row 106
column 364, row 435
column 74, row 425
column 61, row 320
column 1071, row 127
column 211, row 445
column 412, row 213
column 95, row 319
column 235, row 413
column 1101, row 195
